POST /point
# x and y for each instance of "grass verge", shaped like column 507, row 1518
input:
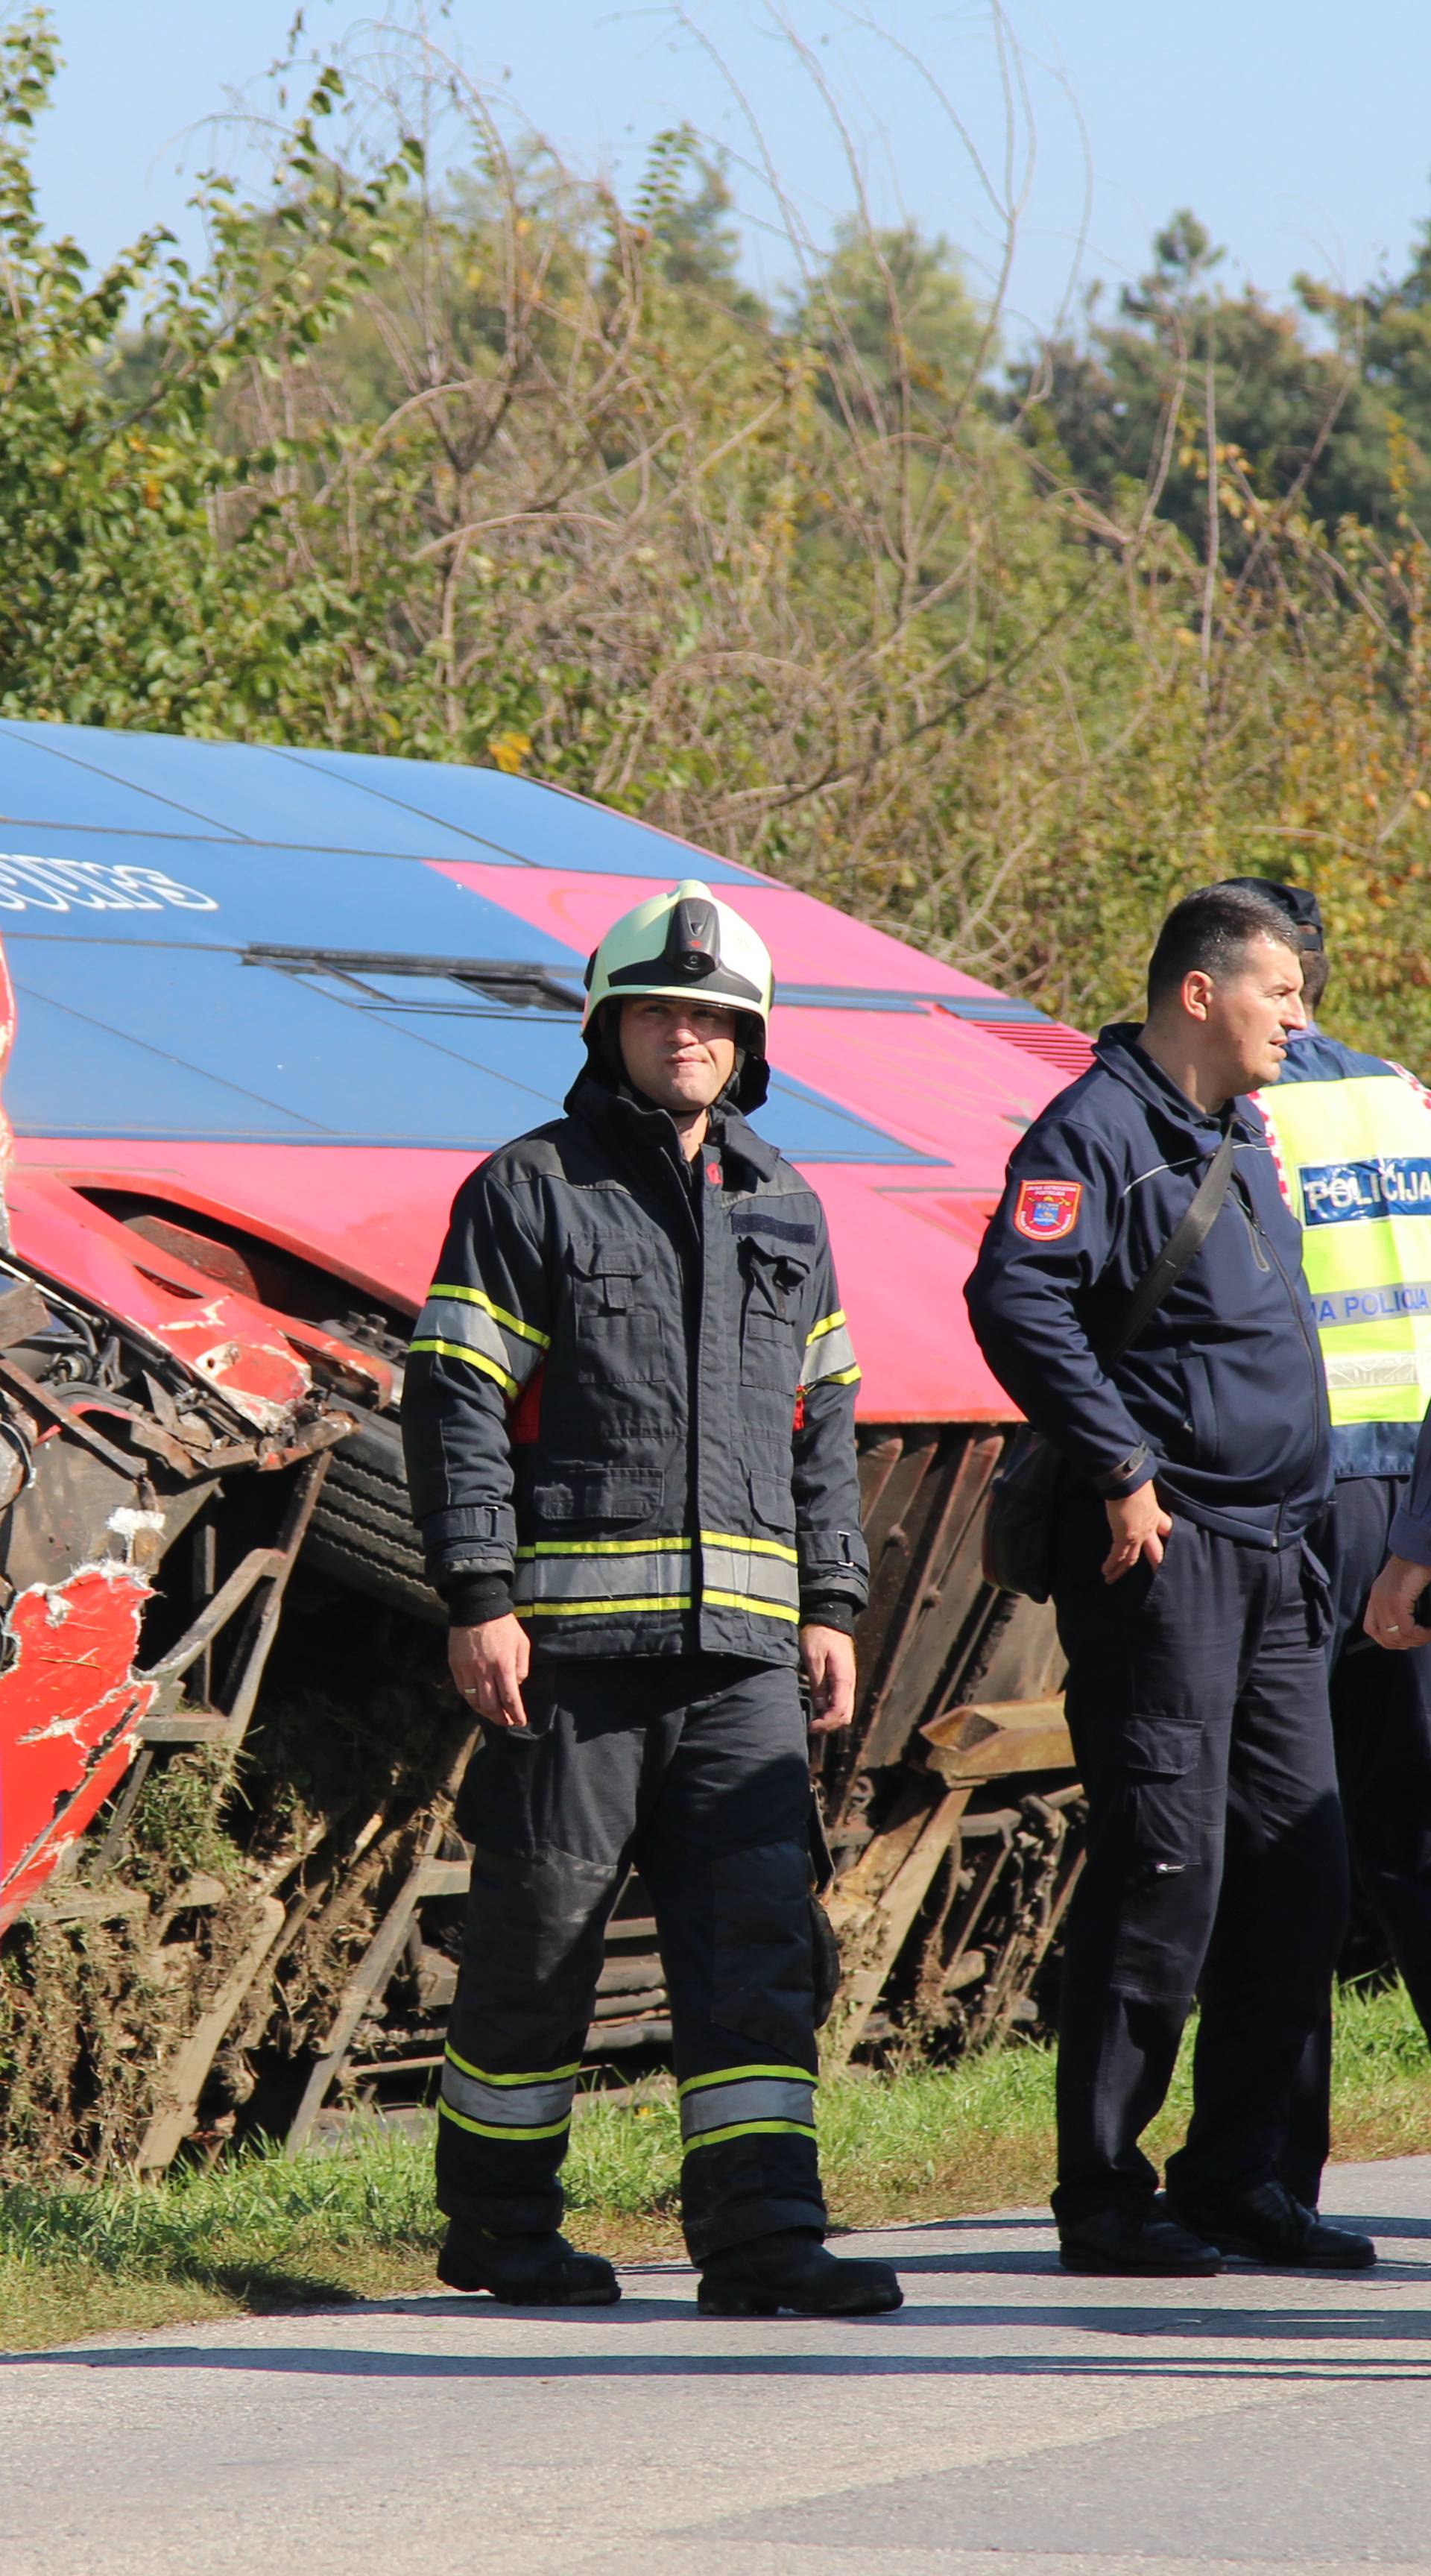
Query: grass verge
column 262, row 2233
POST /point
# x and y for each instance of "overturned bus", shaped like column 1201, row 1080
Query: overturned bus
column 269, row 1007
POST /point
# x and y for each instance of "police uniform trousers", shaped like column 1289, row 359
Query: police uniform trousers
column 1216, row 1859
column 1381, row 1724
column 695, row 1770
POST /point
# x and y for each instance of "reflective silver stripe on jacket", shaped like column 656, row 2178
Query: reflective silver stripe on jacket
column 569, row 1577
column 830, row 1353
column 746, row 2100
column 507, row 2106
column 760, row 1575
column 466, row 1324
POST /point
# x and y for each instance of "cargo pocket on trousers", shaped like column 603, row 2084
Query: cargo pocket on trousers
column 1164, row 1889
column 1160, row 1757
column 762, row 1986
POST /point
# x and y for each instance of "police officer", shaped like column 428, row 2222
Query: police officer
column 629, row 1419
column 1190, row 1609
column 1352, row 1137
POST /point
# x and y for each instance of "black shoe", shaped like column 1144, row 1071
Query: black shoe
column 1265, row 2224
column 794, row 2270
column 1138, row 2237
column 527, row 2271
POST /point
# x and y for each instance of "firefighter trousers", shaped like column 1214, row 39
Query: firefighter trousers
column 1216, row 1860
column 693, row 1769
column 1381, row 1722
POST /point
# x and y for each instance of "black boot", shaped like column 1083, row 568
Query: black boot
column 1137, row 2239
column 1263, row 2223
column 526, row 2271
column 794, row 2270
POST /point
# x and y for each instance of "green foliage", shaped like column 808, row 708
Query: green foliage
column 148, row 576
column 1137, row 398
column 509, row 472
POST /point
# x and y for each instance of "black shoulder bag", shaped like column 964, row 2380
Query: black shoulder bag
column 1023, row 1498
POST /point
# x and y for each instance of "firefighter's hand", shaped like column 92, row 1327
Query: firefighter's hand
column 828, row 1656
column 1391, row 1612
column 489, row 1665
column 1139, row 1525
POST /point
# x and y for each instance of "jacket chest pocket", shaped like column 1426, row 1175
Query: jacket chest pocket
column 620, row 1331
column 772, row 1316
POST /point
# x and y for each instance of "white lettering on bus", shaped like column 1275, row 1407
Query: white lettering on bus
column 90, row 885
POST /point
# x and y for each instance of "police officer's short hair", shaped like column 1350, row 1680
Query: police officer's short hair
column 1210, row 932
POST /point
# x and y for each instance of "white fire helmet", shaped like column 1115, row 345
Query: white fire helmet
column 685, row 946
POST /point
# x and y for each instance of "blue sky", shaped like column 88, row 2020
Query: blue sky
column 1299, row 133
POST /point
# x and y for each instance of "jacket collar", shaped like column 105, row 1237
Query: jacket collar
column 1118, row 1052
column 622, row 1116
column 737, row 1139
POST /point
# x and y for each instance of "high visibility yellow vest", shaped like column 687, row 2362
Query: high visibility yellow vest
column 1352, row 1137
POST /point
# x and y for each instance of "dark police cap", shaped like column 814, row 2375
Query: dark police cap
column 1298, row 902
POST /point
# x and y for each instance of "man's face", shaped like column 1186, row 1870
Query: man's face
column 679, row 1054
column 1250, row 1015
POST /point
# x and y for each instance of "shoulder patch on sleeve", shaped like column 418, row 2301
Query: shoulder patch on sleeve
column 1046, row 1210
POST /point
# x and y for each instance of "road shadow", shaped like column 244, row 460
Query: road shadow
column 1170, row 2329
column 331, row 2362
column 1033, row 2259
column 1383, row 2226
column 267, row 2290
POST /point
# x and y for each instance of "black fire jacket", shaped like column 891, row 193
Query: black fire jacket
column 629, row 1406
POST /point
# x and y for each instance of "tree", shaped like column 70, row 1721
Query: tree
column 511, row 471
column 1135, row 403
column 147, row 576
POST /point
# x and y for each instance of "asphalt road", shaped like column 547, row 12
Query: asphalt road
column 1009, row 2421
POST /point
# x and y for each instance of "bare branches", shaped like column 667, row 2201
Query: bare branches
column 496, row 467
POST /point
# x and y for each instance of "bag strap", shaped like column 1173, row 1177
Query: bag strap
column 1183, row 1246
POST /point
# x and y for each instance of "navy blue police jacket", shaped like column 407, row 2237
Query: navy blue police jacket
column 1222, row 1397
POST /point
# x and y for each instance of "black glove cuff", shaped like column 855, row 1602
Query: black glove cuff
column 829, row 1610
column 474, row 1598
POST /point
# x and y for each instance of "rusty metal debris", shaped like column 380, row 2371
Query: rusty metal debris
column 314, row 1968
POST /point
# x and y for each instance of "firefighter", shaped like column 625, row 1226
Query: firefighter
column 1190, row 1607
column 629, row 1423
column 1352, row 1138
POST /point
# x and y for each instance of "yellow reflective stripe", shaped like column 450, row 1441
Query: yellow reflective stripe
column 499, row 1314
column 603, row 1609
column 754, row 1546
column 603, row 1547
column 474, row 1359
column 749, row 2129
column 449, row 1322
column 514, row 2136
column 1376, row 1404
column 479, row 2074
column 829, row 1355
column 826, row 1324
column 719, row 2109
column 529, row 2104
column 747, row 1601
column 742, row 2075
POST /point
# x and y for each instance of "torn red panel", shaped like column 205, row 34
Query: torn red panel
column 263, row 1380
column 70, row 1705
